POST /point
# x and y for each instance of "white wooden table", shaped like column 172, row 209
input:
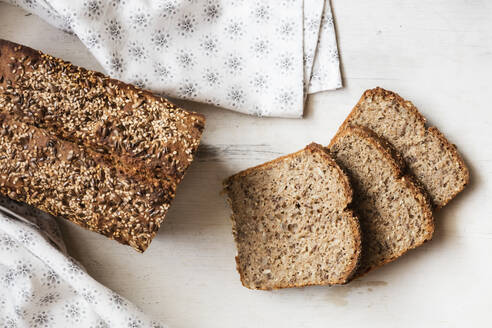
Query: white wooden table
column 436, row 53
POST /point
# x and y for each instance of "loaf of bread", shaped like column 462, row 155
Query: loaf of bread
column 138, row 129
column 291, row 223
column 83, row 186
column 427, row 153
column 395, row 213
column 96, row 151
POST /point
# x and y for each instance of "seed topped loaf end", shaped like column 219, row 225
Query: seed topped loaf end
column 291, row 223
column 427, row 153
column 394, row 211
column 137, row 128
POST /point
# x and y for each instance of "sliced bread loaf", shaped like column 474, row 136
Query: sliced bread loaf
column 394, row 212
column 427, row 153
column 291, row 223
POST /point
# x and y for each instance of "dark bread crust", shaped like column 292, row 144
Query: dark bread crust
column 451, row 148
column 312, row 147
column 128, row 132
column 166, row 160
column 398, row 171
column 70, row 181
column 354, row 223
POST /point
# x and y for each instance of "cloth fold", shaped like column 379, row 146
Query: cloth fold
column 254, row 57
column 42, row 287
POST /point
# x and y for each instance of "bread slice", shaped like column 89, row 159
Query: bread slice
column 291, row 223
column 395, row 214
column 427, row 153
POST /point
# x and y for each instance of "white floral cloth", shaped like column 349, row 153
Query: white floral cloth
column 258, row 57
column 42, row 287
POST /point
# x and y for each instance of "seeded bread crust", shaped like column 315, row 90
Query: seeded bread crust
column 137, row 128
column 347, row 193
column 392, row 158
column 70, row 181
column 411, row 162
column 130, row 134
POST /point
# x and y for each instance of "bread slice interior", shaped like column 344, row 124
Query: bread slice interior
column 430, row 157
column 394, row 212
column 291, row 223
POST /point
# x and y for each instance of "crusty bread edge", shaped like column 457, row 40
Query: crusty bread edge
column 418, row 191
column 458, row 159
column 312, row 147
column 354, row 222
column 121, row 84
column 131, row 168
column 128, row 160
column 432, row 129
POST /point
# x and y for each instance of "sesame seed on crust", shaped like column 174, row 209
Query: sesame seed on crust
column 101, row 153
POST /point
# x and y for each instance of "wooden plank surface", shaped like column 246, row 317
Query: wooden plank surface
column 437, row 54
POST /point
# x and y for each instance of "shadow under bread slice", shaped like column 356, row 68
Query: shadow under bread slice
column 394, row 212
column 70, row 181
column 431, row 158
column 291, row 224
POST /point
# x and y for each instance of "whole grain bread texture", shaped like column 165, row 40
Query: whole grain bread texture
column 394, row 212
column 128, row 148
column 70, row 181
column 427, row 153
column 291, row 222
column 140, row 130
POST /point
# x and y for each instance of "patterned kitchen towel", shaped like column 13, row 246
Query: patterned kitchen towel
column 42, row 287
column 258, row 57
